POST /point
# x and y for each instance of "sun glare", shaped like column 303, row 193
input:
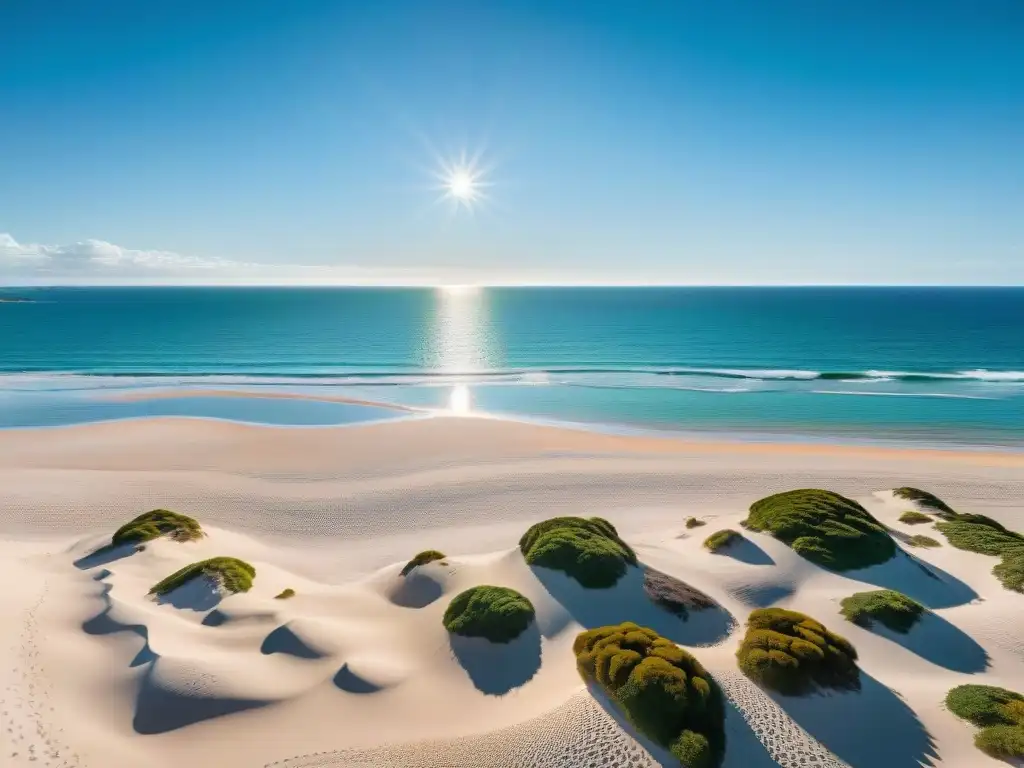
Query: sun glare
column 462, row 181
column 461, row 185
column 460, row 401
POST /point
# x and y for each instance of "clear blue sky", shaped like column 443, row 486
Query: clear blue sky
column 681, row 141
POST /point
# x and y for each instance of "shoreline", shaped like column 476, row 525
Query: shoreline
column 594, row 439
column 714, row 439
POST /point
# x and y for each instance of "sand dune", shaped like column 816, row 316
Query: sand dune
column 357, row 669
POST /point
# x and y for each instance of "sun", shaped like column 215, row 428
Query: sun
column 462, row 181
column 462, row 185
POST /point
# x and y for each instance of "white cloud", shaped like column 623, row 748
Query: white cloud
column 98, row 259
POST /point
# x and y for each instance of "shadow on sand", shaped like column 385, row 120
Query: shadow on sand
column 104, row 624
column 104, row 555
column 159, row 709
column 936, row 640
column 747, row 551
column 416, row 590
column 199, row 594
column 284, row 640
column 869, row 727
column 926, row 583
column 347, row 680
column 628, row 601
column 497, row 668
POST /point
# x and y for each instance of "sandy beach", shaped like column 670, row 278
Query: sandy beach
column 357, row 669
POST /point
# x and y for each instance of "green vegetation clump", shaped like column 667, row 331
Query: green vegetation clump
column 158, row 522
column 233, row 574
column 1010, row 571
column 588, row 549
column 721, row 539
column 285, row 594
column 427, row 556
column 498, row 614
column 693, row 522
column 824, row 527
column 978, row 533
column 792, row 653
column 998, row 712
column 662, row 689
column 886, row 606
column 925, row 499
column 920, row 540
column 913, row 517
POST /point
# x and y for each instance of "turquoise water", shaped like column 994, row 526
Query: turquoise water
column 939, row 365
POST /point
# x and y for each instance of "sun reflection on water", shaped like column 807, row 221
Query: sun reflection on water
column 460, row 341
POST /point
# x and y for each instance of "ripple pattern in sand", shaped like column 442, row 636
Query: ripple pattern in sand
column 787, row 743
column 579, row 734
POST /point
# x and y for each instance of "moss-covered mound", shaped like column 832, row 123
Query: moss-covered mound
column 925, row 499
column 978, row 533
column 998, row 712
column 285, row 594
column 793, row 653
column 498, row 614
column 886, row 606
column 721, row 539
column 233, row 574
column 920, row 540
column 427, row 556
column 693, row 522
column 913, row 517
column 824, row 527
column 588, row 549
column 158, row 522
column 662, row 689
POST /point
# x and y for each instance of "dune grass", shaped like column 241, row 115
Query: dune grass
column 498, row 614
column 913, row 517
column 233, row 574
column 981, row 534
column 285, row 594
column 156, row 523
column 886, row 606
column 1010, row 570
column 824, row 527
column 793, row 654
column 920, row 540
column 721, row 539
column 977, row 533
column 661, row 688
column 998, row 712
column 925, row 499
column 693, row 522
column 588, row 549
column 427, row 556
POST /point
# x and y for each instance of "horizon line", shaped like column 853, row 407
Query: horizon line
column 286, row 284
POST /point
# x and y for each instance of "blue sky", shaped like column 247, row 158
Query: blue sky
column 681, row 142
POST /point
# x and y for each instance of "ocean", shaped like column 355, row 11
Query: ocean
column 937, row 366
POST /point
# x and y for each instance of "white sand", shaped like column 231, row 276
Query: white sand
column 357, row 669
